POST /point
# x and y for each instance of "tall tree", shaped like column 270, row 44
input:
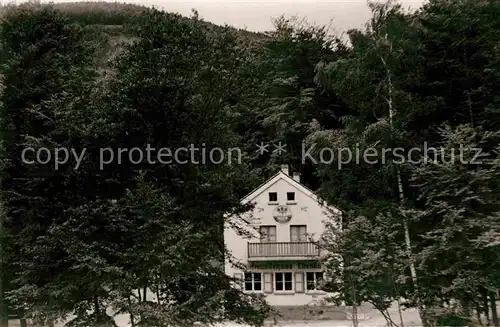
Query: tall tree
column 43, row 57
column 91, row 237
column 461, row 198
column 282, row 99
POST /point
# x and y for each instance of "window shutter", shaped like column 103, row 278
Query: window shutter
column 294, row 234
column 239, row 280
column 268, row 282
column 272, row 234
column 299, row 282
column 303, row 233
column 263, row 233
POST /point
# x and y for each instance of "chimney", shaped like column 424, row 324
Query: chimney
column 284, row 169
column 296, row 176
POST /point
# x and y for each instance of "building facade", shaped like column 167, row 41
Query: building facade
column 274, row 248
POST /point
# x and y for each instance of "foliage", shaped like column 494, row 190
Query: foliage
column 146, row 238
column 461, row 198
column 89, row 238
column 406, row 75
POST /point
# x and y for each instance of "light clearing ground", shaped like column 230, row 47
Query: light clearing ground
column 368, row 317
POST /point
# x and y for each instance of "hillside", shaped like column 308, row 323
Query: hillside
column 113, row 14
column 112, row 23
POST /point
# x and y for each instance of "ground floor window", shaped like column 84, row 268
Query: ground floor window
column 283, row 281
column 253, row 282
column 313, row 280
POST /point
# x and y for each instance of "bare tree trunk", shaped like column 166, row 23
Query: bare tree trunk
column 354, row 315
column 478, row 316
column 465, row 308
column 494, row 313
column 132, row 322
column 385, row 313
column 22, row 319
column 96, row 304
column 355, row 322
column 4, row 312
column 486, row 308
column 387, row 317
column 141, row 316
column 400, row 314
column 408, row 243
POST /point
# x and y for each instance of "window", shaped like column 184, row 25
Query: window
column 284, row 281
column 313, row 279
column 290, row 196
column 267, row 233
column 298, row 233
column 253, row 282
column 273, row 197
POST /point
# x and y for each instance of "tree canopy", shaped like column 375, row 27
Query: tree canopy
column 94, row 222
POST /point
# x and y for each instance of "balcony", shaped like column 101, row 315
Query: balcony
column 285, row 250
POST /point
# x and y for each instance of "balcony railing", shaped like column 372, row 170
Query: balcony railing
column 283, row 249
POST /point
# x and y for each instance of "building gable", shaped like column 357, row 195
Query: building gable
column 294, row 185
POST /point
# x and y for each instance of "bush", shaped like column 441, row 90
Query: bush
column 452, row 321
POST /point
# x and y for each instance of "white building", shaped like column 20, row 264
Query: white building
column 273, row 247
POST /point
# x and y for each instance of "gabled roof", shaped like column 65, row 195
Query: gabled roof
column 281, row 175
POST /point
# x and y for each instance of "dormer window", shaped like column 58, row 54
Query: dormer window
column 273, row 197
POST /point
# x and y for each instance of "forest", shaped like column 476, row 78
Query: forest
column 75, row 240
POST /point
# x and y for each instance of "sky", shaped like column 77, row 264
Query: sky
column 257, row 15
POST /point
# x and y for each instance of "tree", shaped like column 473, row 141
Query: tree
column 43, row 57
column 460, row 190
column 104, row 234
column 282, row 99
column 462, row 62
column 374, row 80
column 368, row 262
